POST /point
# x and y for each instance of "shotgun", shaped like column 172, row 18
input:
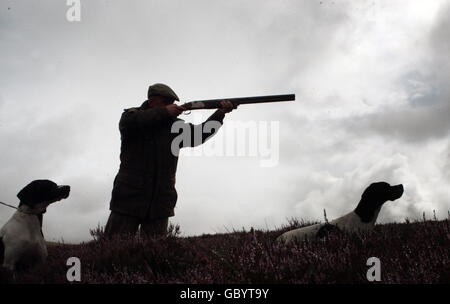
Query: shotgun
column 215, row 103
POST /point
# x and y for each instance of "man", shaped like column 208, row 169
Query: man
column 144, row 188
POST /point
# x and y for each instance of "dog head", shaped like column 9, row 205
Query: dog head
column 38, row 194
column 374, row 197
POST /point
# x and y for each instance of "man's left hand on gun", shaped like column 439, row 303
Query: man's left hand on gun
column 227, row 106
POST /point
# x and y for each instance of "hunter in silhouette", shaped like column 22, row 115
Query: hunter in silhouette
column 144, row 188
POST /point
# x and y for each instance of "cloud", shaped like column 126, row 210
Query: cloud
column 341, row 142
column 423, row 108
column 413, row 125
column 446, row 166
column 438, row 37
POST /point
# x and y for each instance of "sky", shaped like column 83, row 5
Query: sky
column 372, row 104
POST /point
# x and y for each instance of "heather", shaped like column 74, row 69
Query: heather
column 410, row 252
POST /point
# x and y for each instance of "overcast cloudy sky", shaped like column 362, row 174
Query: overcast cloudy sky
column 370, row 78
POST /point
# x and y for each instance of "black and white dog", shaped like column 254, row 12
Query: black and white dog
column 359, row 220
column 22, row 243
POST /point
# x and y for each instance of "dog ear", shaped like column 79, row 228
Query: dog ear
column 34, row 191
column 26, row 194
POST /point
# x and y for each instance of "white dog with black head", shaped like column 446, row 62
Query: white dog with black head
column 361, row 219
column 22, row 243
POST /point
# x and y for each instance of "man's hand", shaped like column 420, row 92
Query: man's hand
column 227, row 106
column 174, row 110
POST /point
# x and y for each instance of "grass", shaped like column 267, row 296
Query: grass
column 410, row 252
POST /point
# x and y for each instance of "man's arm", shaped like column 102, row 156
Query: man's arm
column 213, row 123
column 198, row 133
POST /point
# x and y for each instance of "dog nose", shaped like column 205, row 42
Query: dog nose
column 397, row 191
column 64, row 190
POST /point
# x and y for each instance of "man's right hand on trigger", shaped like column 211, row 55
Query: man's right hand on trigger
column 174, row 110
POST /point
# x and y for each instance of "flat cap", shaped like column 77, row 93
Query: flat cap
column 160, row 89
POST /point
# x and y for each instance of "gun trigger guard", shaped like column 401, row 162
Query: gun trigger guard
column 187, row 112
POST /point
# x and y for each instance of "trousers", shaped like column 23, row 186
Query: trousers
column 119, row 223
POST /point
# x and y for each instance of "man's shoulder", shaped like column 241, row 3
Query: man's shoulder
column 131, row 110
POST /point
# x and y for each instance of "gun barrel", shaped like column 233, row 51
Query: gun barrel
column 215, row 103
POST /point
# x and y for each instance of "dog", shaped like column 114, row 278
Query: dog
column 361, row 219
column 22, row 243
